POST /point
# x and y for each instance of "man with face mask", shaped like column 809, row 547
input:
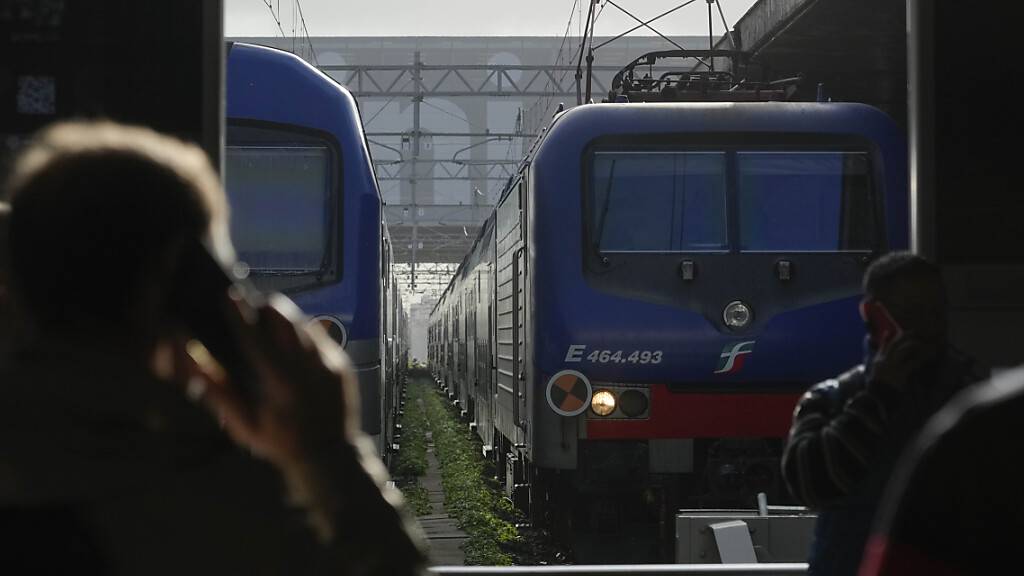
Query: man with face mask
column 848, row 432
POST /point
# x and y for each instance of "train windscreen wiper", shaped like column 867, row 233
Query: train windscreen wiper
column 596, row 242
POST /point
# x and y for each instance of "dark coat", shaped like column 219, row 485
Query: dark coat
column 847, row 436
column 954, row 506
column 107, row 470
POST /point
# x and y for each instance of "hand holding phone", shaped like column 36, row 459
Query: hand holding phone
column 199, row 298
column 288, row 394
column 272, row 360
column 900, row 353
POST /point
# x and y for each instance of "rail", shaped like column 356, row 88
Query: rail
column 773, row 569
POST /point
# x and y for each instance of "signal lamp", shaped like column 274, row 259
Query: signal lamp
column 633, row 403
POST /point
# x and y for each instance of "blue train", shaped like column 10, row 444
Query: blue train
column 657, row 285
column 307, row 218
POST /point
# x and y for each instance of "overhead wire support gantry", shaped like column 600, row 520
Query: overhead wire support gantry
column 457, row 80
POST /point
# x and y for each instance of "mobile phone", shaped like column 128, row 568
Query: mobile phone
column 883, row 327
column 198, row 297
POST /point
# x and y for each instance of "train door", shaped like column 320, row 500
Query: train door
column 456, row 342
column 482, row 396
column 495, row 335
column 524, row 344
column 508, row 241
column 478, row 350
column 457, row 352
column 479, row 373
column 446, row 346
column 385, row 367
column 471, row 337
column 461, row 364
column 518, row 338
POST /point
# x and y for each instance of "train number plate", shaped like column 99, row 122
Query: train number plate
column 580, row 353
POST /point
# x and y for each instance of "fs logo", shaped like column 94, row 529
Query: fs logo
column 732, row 357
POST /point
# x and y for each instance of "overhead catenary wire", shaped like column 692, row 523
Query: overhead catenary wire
column 646, row 25
column 454, row 115
column 568, row 26
column 297, row 18
column 386, row 104
column 545, row 101
column 276, row 17
column 305, row 31
column 652, row 29
column 642, row 24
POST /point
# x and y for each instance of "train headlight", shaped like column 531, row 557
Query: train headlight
column 334, row 328
column 737, row 314
column 603, row 402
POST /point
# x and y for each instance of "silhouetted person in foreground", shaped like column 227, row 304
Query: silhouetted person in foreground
column 954, row 506
column 848, row 433
column 123, row 448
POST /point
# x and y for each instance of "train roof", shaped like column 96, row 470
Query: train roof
column 318, row 90
column 484, row 229
column 596, row 120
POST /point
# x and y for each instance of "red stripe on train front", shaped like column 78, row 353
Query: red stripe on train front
column 703, row 416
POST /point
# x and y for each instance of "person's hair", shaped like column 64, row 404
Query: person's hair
column 912, row 290
column 95, row 208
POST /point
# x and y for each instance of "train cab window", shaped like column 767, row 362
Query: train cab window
column 286, row 187
column 658, row 201
column 281, row 191
column 804, row 201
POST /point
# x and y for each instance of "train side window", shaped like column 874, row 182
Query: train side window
column 805, row 201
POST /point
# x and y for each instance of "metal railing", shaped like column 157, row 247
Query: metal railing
column 773, row 569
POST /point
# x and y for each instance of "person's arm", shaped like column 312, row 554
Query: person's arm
column 839, row 425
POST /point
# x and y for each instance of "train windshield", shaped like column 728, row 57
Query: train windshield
column 804, row 201
column 281, row 200
column 731, row 200
column 657, row 201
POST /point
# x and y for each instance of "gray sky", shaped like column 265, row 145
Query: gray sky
column 467, row 17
